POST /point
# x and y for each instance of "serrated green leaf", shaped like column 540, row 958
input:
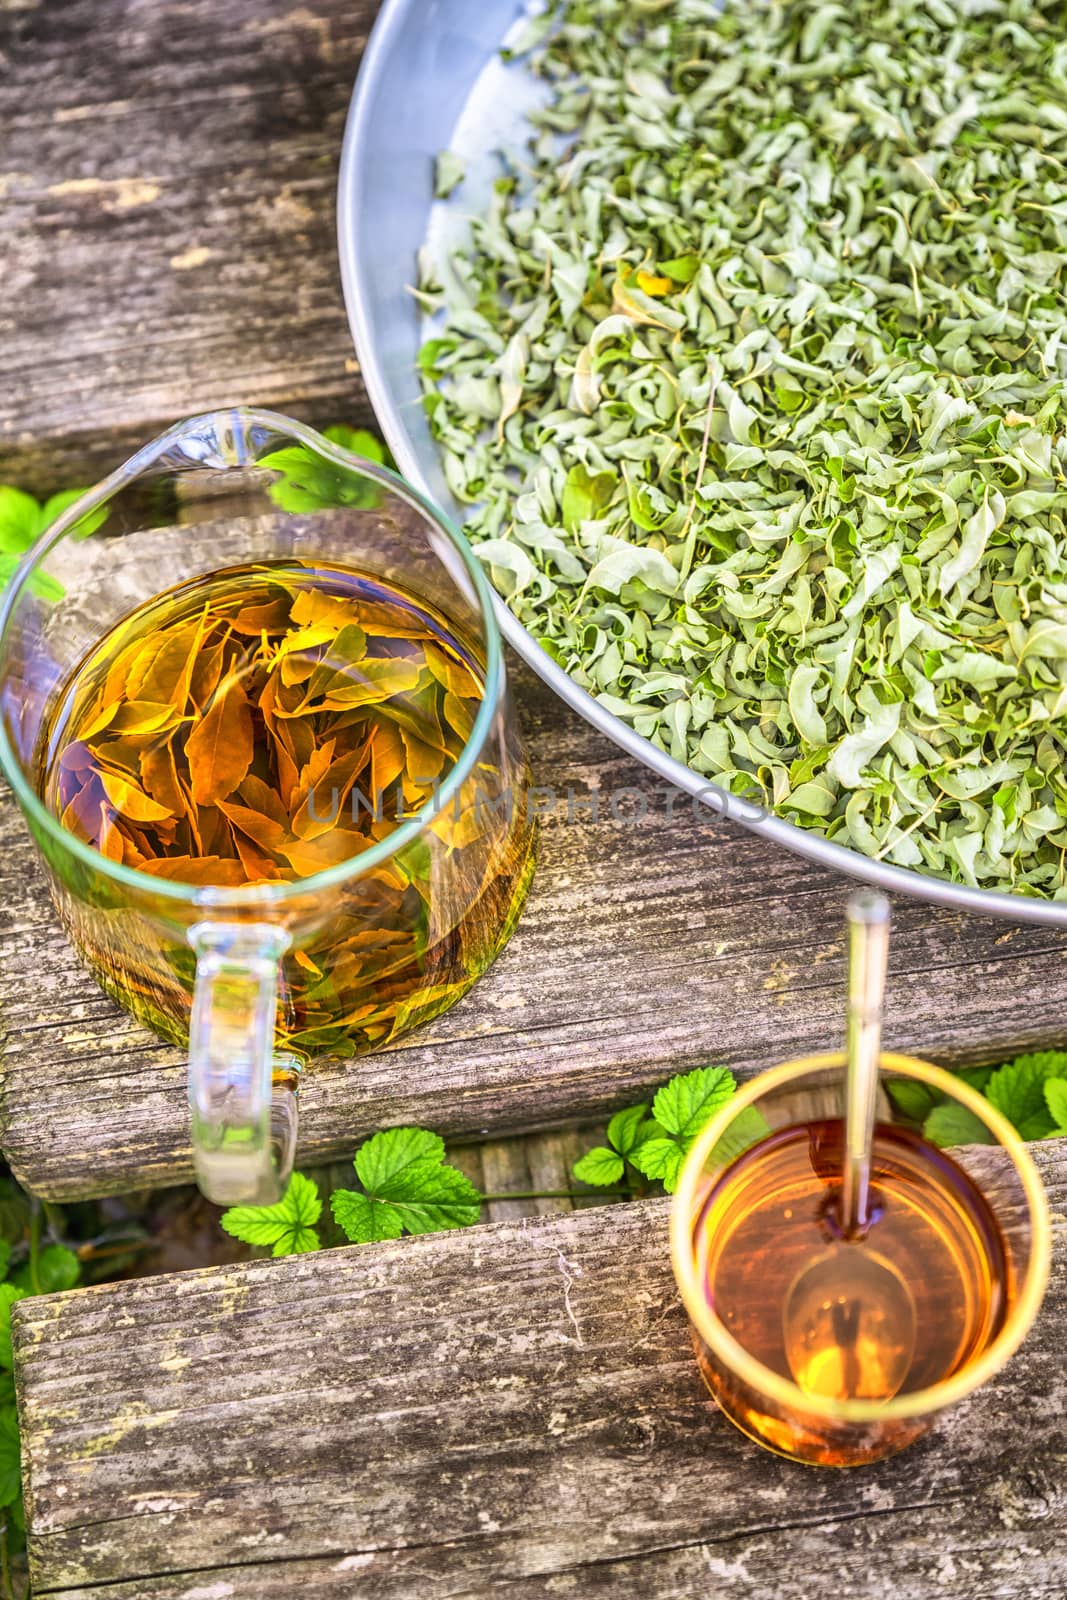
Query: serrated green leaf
column 360, row 442
column 287, row 1227
column 386, row 1155
column 976, row 1078
column 409, row 1187
column 661, row 1159
column 599, row 1166
column 624, row 1129
column 432, row 1197
column 363, row 1220
column 1056, row 1100
column 911, row 1097
column 14, row 1211
column 84, row 526
column 9, row 1293
column 10, row 1456
column 1018, row 1091
column 308, row 482
column 426, row 1197
column 952, row 1124
column 685, row 1104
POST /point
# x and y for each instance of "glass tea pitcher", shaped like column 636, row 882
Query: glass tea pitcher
column 253, row 708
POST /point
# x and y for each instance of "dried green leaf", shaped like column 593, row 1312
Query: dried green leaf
column 833, row 412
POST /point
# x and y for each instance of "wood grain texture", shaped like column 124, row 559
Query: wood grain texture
column 167, row 178
column 515, row 1411
column 646, row 947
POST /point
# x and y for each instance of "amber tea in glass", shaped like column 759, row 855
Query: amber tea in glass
column 836, row 1350
column 254, row 711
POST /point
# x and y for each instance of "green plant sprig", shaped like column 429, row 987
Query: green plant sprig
column 407, row 1186
column 1030, row 1091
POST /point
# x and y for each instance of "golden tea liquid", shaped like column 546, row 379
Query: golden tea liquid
column 773, row 1214
column 264, row 723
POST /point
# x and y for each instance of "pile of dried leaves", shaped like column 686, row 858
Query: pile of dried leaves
column 757, row 384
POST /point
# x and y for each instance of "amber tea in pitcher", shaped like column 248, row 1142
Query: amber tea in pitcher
column 265, row 723
column 253, row 706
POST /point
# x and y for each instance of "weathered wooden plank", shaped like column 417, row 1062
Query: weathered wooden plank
column 646, row 948
column 167, row 175
column 511, row 1410
column 550, row 1165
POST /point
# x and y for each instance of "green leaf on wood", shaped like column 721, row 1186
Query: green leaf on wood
column 599, row 1166
column 660, row 1159
column 685, row 1104
column 285, row 1228
column 916, row 1100
column 1018, row 1091
column 408, row 1187
column 57, row 1269
column 9, row 1293
column 951, row 1124
column 746, row 1129
column 10, row 1456
column 631, row 1127
column 1056, row 1100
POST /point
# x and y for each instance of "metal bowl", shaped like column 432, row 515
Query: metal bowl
column 431, row 79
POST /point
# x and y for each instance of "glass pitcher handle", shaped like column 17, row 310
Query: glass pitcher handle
column 242, row 1096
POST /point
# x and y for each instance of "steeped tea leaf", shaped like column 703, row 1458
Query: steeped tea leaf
column 219, row 749
column 130, row 800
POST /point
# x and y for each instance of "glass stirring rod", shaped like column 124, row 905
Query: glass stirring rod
column 849, row 1317
column 868, row 953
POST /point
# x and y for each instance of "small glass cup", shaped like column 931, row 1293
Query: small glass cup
column 261, row 978
column 764, row 1403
